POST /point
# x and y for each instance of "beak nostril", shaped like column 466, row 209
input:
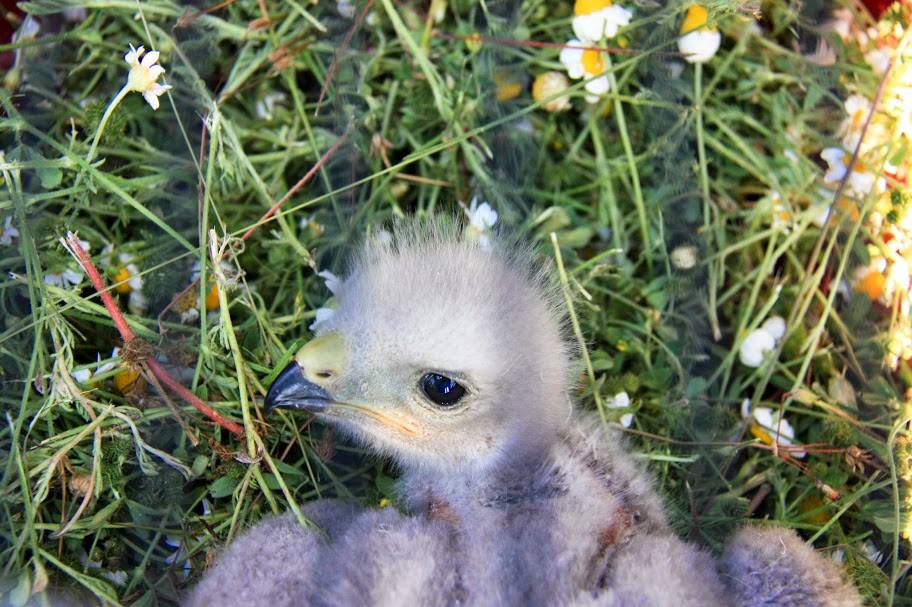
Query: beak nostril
column 324, row 374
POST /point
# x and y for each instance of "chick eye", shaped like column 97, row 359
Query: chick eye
column 442, row 390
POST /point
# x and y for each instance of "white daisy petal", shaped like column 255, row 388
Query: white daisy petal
column 699, row 46
column 755, row 346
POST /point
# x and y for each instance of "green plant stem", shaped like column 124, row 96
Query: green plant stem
column 631, row 164
column 712, row 288
column 577, row 331
column 104, row 120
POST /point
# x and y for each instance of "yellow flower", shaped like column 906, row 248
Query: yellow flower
column 144, row 73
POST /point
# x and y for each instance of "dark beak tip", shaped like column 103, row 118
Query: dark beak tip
column 292, row 390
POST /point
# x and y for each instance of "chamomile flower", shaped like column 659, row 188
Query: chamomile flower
column 878, row 59
column 767, row 425
column 698, row 42
column 231, row 282
column 780, row 212
column 621, row 401
column 81, row 376
column 144, row 74
column 548, row 86
column 69, row 277
column 861, row 181
column 594, row 19
column 126, row 277
column 586, row 63
column 857, row 107
column 8, row 234
column 755, row 346
column 482, row 218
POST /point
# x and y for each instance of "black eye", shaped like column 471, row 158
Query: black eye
column 442, row 390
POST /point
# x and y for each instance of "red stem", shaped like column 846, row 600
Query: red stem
column 126, row 333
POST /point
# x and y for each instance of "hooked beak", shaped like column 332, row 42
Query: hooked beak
column 303, row 383
column 292, row 390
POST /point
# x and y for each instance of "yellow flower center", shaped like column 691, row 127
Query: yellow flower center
column 212, row 298
column 761, row 434
column 872, row 284
column 141, row 78
column 695, row 19
column 506, row 87
column 857, row 117
column 126, row 380
column 593, row 62
column 816, row 505
column 585, row 7
column 123, row 278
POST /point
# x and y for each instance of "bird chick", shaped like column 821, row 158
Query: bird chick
column 450, row 359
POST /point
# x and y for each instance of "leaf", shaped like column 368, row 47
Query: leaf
column 223, row 487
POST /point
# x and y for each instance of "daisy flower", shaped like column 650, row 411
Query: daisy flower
column 861, row 181
column 857, row 107
column 760, row 341
column 8, row 233
column 780, row 211
column 871, row 279
column 144, row 73
column 548, row 86
column 767, row 425
column 127, row 278
column 212, row 298
column 878, row 59
column 68, row 277
column 594, row 19
column 622, row 401
column 81, row 376
column 586, row 63
column 698, row 42
column 482, row 218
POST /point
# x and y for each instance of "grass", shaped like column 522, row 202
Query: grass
column 406, row 115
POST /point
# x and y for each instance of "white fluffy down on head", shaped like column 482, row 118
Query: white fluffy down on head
column 431, row 301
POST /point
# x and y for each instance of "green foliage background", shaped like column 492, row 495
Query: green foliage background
column 620, row 183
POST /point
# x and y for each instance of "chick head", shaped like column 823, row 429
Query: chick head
column 443, row 353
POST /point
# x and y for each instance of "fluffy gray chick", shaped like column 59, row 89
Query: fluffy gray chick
column 449, row 358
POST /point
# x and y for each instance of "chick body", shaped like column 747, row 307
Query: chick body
column 509, row 498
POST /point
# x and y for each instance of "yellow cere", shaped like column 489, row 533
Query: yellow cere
column 585, row 7
column 123, row 278
column 695, row 19
column 593, row 62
